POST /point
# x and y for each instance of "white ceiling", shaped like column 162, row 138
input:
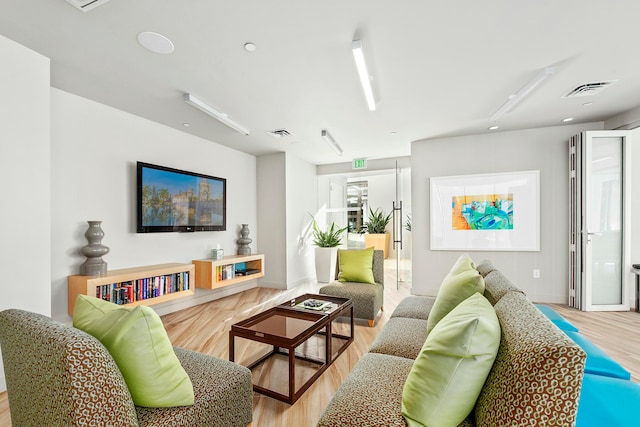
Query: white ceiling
column 439, row 68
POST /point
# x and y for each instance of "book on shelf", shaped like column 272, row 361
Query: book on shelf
column 225, row 272
column 144, row 288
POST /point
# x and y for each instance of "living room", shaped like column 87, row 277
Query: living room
column 67, row 159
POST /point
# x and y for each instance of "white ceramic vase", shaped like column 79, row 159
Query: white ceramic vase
column 326, row 264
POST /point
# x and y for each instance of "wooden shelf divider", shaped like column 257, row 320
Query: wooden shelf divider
column 86, row 285
column 208, row 276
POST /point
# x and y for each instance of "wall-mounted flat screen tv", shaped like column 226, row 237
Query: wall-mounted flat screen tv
column 176, row 200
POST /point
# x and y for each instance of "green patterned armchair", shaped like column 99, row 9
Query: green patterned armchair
column 367, row 298
column 58, row 375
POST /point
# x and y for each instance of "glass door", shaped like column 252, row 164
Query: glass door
column 401, row 228
column 600, row 222
column 348, row 198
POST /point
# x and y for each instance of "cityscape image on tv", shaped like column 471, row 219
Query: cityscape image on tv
column 173, row 199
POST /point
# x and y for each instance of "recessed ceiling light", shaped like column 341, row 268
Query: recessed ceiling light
column 568, row 119
column 249, row 47
column 186, row 125
column 493, row 127
column 393, row 133
column 587, row 104
column 156, row 43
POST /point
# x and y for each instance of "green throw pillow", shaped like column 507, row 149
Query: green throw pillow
column 356, row 265
column 463, row 263
column 139, row 344
column 453, row 290
column 452, row 367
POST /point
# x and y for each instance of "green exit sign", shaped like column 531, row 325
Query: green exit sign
column 359, row 164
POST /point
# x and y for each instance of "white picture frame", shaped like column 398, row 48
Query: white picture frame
column 511, row 201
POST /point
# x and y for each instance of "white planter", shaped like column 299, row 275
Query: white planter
column 326, row 264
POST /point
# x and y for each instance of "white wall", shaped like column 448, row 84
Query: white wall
column 25, row 229
column 272, row 221
column 287, row 193
column 93, row 177
column 382, row 192
column 544, row 149
column 302, row 199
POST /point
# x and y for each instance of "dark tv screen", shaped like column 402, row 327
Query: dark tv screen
column 175, row 200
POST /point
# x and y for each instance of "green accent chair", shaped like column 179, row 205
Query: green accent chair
column 58, row 375
column 367, row 298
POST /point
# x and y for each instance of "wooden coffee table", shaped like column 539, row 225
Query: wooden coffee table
column 287, row 327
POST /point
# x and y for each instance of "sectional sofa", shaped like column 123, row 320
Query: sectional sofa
column 540, row 377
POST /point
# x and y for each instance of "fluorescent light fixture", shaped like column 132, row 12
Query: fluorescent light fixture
column 332, row 142
column 523, row 92
column 358, row 56
column 206, row 108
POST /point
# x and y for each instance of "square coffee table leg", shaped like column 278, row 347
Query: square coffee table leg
column 292, row 374
column 231, row 347
column 328, row 344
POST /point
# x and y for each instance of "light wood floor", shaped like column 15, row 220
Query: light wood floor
column 205, row 328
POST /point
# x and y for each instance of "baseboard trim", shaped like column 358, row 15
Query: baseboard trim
column 203, row 296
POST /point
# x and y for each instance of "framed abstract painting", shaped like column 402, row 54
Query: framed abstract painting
column 486, row 212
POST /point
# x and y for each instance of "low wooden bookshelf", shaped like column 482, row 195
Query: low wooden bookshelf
column 90, row 285
column 216, row 273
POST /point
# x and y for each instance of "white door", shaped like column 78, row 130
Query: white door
column 600, row 205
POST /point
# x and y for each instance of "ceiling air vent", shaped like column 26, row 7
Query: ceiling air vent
column 279, row 133
column 589, row 89
column 87, row 5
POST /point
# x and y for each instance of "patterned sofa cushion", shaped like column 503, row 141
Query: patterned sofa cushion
column 371, row 395
column 223, row 395
column 485, row 267
column 402, row 337
column 496, row 286
column 367, row 298
column 414, row 307
column 537, row 375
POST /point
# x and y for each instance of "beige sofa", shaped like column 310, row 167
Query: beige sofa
column 535, row 379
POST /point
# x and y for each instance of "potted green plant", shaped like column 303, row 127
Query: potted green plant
column 326, row 242
column 376, row 230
